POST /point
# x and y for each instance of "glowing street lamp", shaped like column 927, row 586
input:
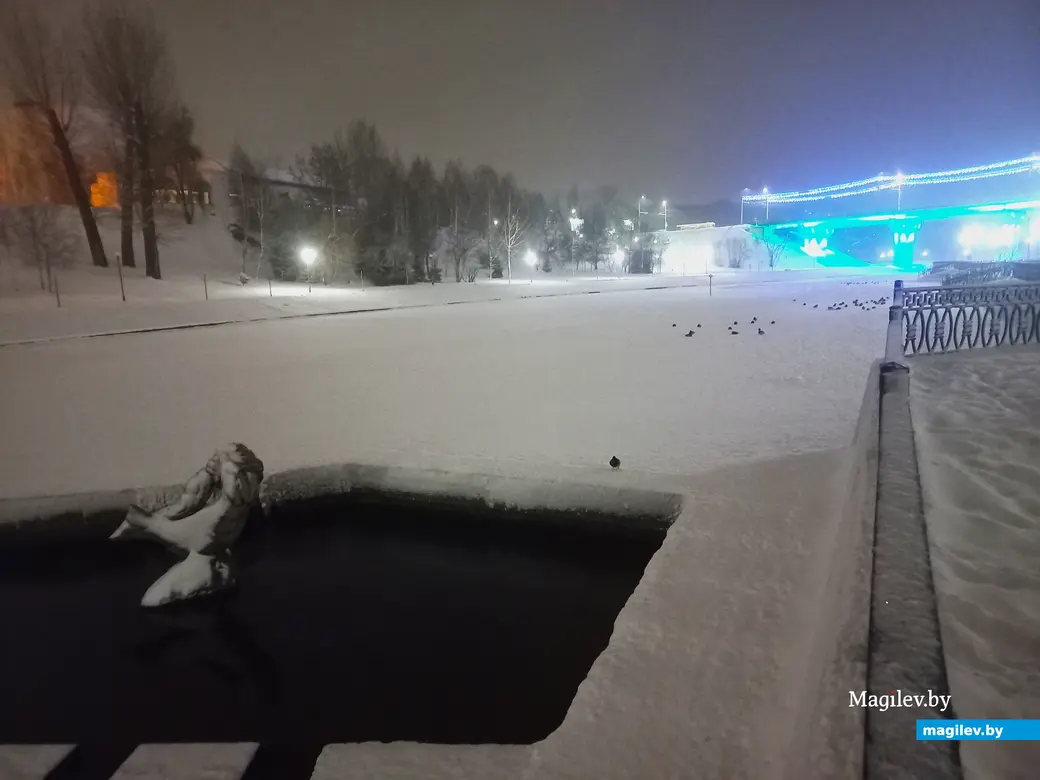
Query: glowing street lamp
column 531, row 259
column 765, row 191
column 640, row 213
column 664, row 213
column 308, row 255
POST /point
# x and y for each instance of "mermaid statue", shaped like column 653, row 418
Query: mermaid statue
column 202, row 525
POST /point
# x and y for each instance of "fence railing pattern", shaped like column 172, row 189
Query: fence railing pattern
column 926, row 320
column 961, row 272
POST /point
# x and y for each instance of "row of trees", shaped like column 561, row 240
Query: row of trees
column 368, row 211
column 101, row 91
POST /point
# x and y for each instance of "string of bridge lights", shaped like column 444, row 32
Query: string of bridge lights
column 897, row 182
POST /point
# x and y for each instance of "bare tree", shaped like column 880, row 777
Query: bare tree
column 39, row 75
column 514, row 231
column 44, row 239
column 460, row 239
column 737, row 252
column 774, row 246
column 126, row 63
column 177, row 155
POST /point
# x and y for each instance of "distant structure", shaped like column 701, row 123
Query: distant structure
column 721, row 213
column 31, row 172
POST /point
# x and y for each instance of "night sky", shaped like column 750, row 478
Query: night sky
column 686, row 100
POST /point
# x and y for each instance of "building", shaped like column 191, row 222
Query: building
column 31, row 170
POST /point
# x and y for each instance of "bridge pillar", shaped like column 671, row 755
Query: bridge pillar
column 904, row 240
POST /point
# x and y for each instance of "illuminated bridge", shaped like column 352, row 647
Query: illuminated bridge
column 998, row 225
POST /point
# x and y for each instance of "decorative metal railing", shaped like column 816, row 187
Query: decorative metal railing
column 918, row 297
column 986, row 272
column 926, row 320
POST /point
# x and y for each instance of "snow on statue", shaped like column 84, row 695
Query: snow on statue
column 204, row 523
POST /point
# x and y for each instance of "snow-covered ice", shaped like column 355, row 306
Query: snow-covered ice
column 977, row 426
column 552, row 385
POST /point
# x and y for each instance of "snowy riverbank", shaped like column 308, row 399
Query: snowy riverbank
column 977, row 426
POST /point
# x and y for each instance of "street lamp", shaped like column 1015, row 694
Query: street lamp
column 765, row 191
column 664, row 213
column 640, row 213
column 532, row 261
column 308, row 255
column 899, row 189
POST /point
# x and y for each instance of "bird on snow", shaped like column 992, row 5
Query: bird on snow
column 689, row 334
column 734, row 333
column 673, row 324
column 615, row 463
column 761, row 332
column 698, row 324
column 772, row 322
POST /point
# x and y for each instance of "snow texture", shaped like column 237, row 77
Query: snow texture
column 905, row 647
column 187, row 762
column 30, row 762
column 411, row 761
column 179, row 302
column 977, row 423
column 735, row 654
column 715, row 664
column 518, row 388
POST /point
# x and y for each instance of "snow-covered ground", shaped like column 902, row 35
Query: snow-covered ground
column 183, row 304
column 557, row 384
column 722, row 664
column 977, row 427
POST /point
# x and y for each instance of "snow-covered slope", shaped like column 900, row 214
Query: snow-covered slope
column 977, row 427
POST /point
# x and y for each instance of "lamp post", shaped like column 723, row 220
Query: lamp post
column 532, row 261
column 743, row 194
column 640, row 213
column 664, row 213
column 491, row 264
column 308, row 255
column 765, row 191
column 899, row 189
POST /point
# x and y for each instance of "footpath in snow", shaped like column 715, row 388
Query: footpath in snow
column 977, row 428
column 91, row 309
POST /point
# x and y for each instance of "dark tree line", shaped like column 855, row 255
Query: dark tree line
column 368, row 212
